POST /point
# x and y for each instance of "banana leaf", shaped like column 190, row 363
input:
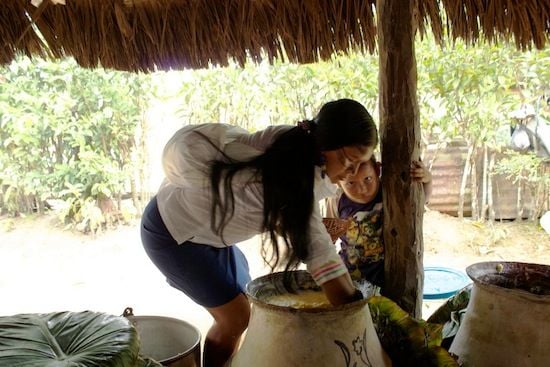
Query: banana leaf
column 68, row 339
column 451, row 314
column 406, row 340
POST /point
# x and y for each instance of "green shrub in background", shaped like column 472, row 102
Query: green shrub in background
column 79, row 135
column 260, row 95
column 468, row 93
column 66, row 133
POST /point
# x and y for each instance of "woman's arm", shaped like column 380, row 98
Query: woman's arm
column 326, row 266
column 341, row 290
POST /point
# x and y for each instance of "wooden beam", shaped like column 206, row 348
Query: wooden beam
column 400, row 145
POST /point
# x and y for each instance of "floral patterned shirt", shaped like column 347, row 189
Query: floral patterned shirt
column 362, row 247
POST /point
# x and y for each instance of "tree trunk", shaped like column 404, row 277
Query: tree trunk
column 400, row 144
column 465, row 174
column 142, row 166
column 485, row 180
column 490, row 207
column 540, row 197
column 519, row 203
column 474, row 187
column 523, row 187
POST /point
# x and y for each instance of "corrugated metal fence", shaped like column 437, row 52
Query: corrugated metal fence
column 511, row 200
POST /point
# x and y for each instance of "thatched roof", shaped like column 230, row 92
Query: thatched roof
column 145, row 35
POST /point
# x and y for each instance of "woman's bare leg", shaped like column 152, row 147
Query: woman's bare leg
column 230, row 321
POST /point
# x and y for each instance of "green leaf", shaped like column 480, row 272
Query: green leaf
column 408, row 342
column 67, row 339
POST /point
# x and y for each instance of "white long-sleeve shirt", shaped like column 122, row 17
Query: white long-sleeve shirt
column 184, row 198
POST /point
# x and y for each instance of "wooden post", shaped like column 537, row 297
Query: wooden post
column 400, row 145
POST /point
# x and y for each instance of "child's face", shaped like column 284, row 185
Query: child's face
column 363, row 186
column 344, row 162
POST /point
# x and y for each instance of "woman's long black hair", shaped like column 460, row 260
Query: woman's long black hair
column 286, row 170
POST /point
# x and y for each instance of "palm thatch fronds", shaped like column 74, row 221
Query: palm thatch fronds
column 16, row 34
column 527, row 21
column 146, row 35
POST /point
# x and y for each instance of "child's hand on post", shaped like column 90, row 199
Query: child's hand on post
column 419, row 172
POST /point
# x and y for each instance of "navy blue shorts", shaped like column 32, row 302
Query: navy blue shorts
column 210, row 276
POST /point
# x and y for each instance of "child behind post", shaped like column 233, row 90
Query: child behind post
column 360, row 202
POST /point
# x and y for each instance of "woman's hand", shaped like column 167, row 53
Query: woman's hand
column 341, row 290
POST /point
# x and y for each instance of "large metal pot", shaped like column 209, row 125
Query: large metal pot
column 506, row 322
column 339, row 336
column 170, row 341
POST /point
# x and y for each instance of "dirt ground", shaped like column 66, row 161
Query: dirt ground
column 44, row 268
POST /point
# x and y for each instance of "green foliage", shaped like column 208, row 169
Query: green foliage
column 66, row 132
column 71, row 133
column 529, row 171
column 408, row 342
column 466, row 90
column 69, row 339
column 261, row 95
column 522, row 167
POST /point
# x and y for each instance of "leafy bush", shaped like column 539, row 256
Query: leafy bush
column 67, row 133
column 80, row 135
